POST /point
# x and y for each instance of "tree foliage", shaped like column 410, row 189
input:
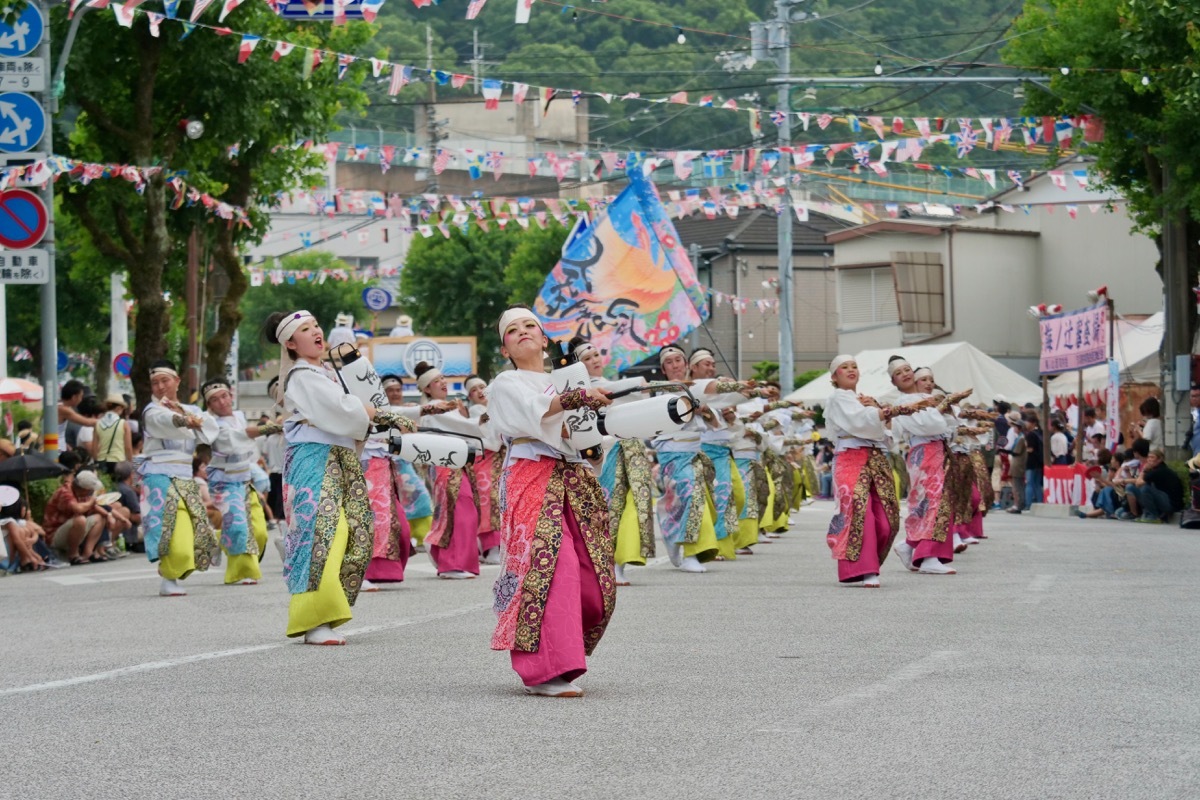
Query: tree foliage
column 127, row 92
column 460, row 286
column 324, row 299
column 1133, row 64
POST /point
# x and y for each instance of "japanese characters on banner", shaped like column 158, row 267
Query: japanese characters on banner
column 1074, row 340
column 1067, row 485
column 1112, row 405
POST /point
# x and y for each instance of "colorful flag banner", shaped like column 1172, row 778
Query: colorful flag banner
column 626, row 283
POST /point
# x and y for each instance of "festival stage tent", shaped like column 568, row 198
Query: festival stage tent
column 956, row 366
column 1137, row 351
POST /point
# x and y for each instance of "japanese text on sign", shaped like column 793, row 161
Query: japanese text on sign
column 1074, row 340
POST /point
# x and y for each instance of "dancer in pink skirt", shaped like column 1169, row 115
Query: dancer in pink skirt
column 556, row 591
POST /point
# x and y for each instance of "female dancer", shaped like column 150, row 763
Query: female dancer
column 454, row 539
column 243, row 522
column 928, row 544
column 555, row 594
column 411, row 488
column 330, row 524
column 625, row 478
column 487, row 472
column 392, row 535
column 175, row 525
column 868, row 516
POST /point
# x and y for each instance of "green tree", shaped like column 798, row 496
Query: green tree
column 536, row 254
column 1132, row 64
column 456, row 286
column 325, row 300
column 127, row 93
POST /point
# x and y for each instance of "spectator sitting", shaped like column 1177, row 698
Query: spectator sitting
column 19, row 539
column 27, row 439
column 125, row 476
column 1104, row 498
column 1127, row 476
column 1157, row 492
column 73, row 521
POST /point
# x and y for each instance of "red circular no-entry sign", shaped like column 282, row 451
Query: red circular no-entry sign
column 22, row 219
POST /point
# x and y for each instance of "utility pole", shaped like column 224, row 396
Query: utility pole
column 431, row 109
column 1177, row 306
column 477, row 60
column 771, row 40
column 782, row 42
column 49, row 295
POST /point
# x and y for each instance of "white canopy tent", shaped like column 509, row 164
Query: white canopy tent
column 1137, row 351
column 955, row 366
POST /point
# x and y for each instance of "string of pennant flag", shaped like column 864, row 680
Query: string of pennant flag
column 878, row 157
column 961, row 132
column 51, row 168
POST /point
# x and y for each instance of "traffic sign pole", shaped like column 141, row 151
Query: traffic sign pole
column 49, row 295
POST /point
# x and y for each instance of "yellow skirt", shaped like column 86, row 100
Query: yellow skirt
column 420, row 528
column 328, row 604
column 244, row 566
column 180, row 560
column 628, row 547
column 705, row 547
column 747, row 529
column 797, row 488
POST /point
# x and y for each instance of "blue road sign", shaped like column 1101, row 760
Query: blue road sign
column 23, row 35
column 376, row 299
column 321, row 10
column 23, row 219
column 22, row 122
column 63, row 360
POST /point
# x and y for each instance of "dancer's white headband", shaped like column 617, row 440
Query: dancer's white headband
column 290, row 324
column 512, row 315
column 427, row 377
column 838, row 361
column 896, row 366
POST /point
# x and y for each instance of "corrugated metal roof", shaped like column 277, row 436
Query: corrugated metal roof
column 758, row 229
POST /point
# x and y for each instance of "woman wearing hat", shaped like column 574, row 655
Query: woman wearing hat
column 330, row 523
column 868, row 516
column 555, row 594
column 488, row 477
column 410, row 487
column 625, row 476
column 728, row 489
column 176, row 528
column 112, row 440
column 453, row 541
column 928, row 543
column 243, row 522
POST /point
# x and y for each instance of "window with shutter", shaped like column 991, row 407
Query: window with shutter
column 866, row 298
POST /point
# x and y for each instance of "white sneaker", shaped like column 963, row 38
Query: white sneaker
column 556, row 687
column 323, row 634
column 674, row 552
column 367, row 586
column 959, row 545
column 970, row 540
column 619, row 574
column 691, row 564
column 456, row 575
column 870, row 582
column 491, row 556
column 171, row 589
column 904, row 551
column 931, row 566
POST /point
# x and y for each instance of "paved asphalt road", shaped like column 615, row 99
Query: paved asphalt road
column 1060, row 663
